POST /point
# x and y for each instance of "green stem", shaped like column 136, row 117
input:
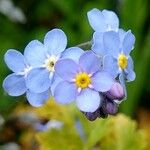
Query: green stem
column 86, row 45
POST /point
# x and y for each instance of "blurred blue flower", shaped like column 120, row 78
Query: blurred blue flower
column 102, row 21
column 14, row 84
column 82, row 82
column 52, row 124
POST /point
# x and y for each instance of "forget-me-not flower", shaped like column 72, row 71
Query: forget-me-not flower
column 102, row 21
column 119, row 61
column 14, row 84
column 82, row 82
column 44, row 56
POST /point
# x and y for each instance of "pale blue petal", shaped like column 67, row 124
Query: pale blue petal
column 111, row 20
column 98, row 44
column 131, row 76
column 65, row 92
column 89, row 62
column 96, row 20
column 37, row 99
column 102, row 81
column 38, row 80
column 15, row 60
column 66, row 69
column 56, row 81
column 35, row 53
column 14, row 85
column 128, row 43
column 55, row 41
column 122, row 82
column 73, row 53
column 112, row 43
column 130, row 65
column 88, row 100
column 110, row 65
column 122, row 34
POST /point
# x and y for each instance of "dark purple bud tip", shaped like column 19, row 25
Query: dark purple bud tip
column 92, row 116
column 102, row 110
column 103, row 114
column 116, row 92
column 111, row 107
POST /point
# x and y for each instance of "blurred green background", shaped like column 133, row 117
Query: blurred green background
column 24, row 20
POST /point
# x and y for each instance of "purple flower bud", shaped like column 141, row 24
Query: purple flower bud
column 116, row 92
column 103, row 113
column 92, row 116
column 111, row 107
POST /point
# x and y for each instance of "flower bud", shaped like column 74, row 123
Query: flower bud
column 111, row 107
column 92, row 116
column 116, row 92
column 102, row 109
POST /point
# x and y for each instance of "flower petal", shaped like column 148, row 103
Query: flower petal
column 55, row 41
column 65, row 92
column 37, row 99
column 15, row 60
column 122, row 82
column 38, row 80
column 110, row 65
column 128, row 43
column 88, row 100
column 111, row 20
column 56, row 81
column 14, row 85
column 96, row 20
column 89, row 62
column 131, row 76
column 112, row 43
column 102, row 81
column 130, row 65
column 98, row 44
column 66, row 69
column 122, row 34
column 73, row 53
column 35, row 53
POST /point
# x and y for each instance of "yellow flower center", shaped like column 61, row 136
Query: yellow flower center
column 122, row 61
column 50, row 63
column 82, row 80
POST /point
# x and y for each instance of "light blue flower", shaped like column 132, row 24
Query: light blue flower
column 119, row 61
column 14, row 84
column 44, row 56
column 102, row 21
column 82, row 82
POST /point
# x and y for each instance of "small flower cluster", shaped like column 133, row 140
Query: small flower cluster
column 94, row 79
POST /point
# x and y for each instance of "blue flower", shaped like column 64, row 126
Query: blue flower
column 103, row 21
column 44, row 56
column 82, row 82
column 14, row 84
column 119, row 61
